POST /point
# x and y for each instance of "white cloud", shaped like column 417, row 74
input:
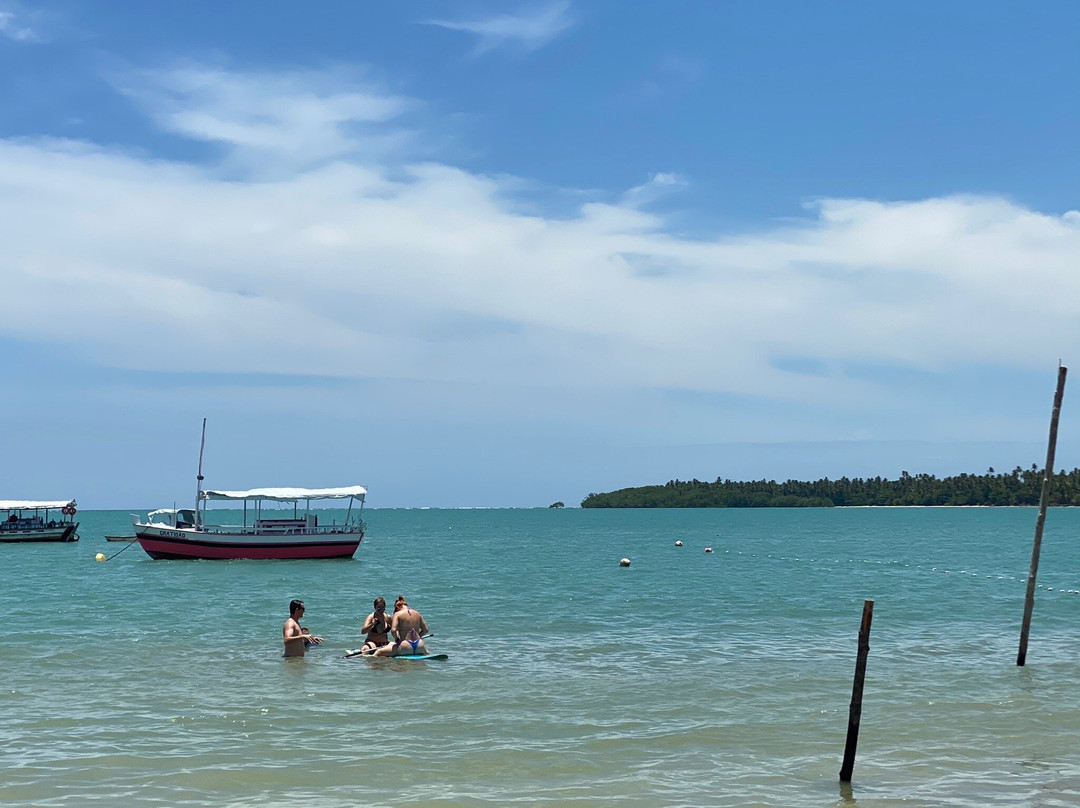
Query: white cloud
column 288, row 120
column 530, row 29
column 363, row 266
column 659, row 185
column 12, row 27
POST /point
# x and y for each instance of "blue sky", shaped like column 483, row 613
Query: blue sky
column 505, row 254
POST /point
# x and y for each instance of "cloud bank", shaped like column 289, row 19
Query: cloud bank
column 349, row 260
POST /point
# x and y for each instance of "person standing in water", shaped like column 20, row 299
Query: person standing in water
column 376, row 627
column 409, row 629
column 297, row 638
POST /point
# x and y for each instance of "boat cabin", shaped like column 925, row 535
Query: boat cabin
column 172, row 517
column 267, row 511
column 264, row 512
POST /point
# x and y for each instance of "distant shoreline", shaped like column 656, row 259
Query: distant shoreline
column 1017, row 488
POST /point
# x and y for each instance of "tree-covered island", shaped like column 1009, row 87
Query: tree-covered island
column 1017, row 487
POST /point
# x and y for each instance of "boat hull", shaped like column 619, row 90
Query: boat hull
column 61, row 533
column 175, row 544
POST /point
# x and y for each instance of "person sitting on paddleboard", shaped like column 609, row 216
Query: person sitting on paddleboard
column 376, row 627
column 297, row 638
column 409, row 629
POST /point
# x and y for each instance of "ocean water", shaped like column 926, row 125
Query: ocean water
column 687, row 679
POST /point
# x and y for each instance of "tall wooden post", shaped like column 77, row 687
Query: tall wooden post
column 1044, row 498
column 855, row 713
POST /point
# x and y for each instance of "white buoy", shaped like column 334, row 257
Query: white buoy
column 99, row 557
column 708, row 549
column 624, row 562
column 678, row 544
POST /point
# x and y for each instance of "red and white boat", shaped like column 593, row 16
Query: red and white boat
column 263, row 532
column 271, row 532
column 29, row 520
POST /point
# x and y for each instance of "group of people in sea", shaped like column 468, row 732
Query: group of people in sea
column 399, row 634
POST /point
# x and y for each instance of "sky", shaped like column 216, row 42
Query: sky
column 506, row 254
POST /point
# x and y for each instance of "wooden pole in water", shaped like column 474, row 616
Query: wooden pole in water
column 1044, row 498
column 855, row 713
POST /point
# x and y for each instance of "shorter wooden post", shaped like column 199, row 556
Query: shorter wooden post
column 855, row 713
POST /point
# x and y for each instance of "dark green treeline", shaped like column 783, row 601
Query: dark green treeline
column 1017, row 487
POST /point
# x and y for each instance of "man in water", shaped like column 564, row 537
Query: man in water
column 409, row 629
column 297, row 638
column 376, row 627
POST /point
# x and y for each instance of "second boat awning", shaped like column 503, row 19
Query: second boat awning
column 30, row 504
column 289, row 494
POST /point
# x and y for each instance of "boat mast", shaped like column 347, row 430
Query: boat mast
column 199, row 479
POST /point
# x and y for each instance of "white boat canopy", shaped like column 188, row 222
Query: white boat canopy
column 289, row 494
column 28, row 504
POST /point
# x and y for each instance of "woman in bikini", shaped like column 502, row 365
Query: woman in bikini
column 376, row 627
column 408, row 628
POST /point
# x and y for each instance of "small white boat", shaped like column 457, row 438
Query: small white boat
column 38, row 520
column 173, row 533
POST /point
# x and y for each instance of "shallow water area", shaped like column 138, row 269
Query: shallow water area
column 686, row 679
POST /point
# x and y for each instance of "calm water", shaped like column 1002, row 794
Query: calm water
column 689, row 679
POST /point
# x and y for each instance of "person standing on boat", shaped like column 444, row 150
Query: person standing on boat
column 297, row 638
column 376, row 627
column 409, row 629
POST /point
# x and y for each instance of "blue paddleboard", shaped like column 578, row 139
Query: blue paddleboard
column 429, row 657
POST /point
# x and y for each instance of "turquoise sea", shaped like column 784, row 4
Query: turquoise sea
column 687, row 679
